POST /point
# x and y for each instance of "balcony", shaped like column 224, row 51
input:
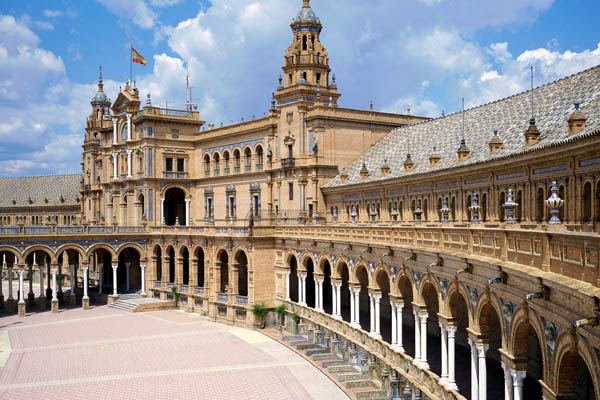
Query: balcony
column 176, row 175
column 288, row 163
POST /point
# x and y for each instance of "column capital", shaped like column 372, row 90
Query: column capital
column 518, row 377
column 143, row 266
column 482, row 348
column 115, row 266
column 424, row 315
column 451, row 329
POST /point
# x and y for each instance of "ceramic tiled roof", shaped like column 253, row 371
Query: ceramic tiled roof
column 510, row 116
column 41, row 190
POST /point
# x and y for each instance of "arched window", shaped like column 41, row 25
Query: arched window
column 539, row 205
column 124, row 132
column 238, row 160
column 587, row 202
column 216, row 164
column 304, row 43
column 259, row 158
column 207, row 165
column 468, row 207
column 226, row 158
column 248, row 156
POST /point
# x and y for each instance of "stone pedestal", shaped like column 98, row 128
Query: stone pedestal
column 85, row 303
column 54, row 306
column 73, row 299
column 112, row 298
column 31, row 299
column 10, row 305
column 42, row 303
column 22, row 311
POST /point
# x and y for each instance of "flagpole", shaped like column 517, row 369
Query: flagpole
column 131, row 64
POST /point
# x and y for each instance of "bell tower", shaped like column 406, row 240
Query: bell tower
column 100, row 102
column 306, row 63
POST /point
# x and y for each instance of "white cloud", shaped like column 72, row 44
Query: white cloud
column 43, row 25
column 418, row 106
column 136, row 10
column 164, row 3
column 53, row 13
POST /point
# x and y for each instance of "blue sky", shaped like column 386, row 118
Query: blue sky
column 422, row 54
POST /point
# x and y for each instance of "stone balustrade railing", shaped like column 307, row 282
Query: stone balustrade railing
column 423, row 379
column 572, row 254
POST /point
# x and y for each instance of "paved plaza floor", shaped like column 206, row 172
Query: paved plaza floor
column 103, row 353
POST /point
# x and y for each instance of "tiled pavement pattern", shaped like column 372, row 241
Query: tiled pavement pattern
column 107, row 353
column 509, row 116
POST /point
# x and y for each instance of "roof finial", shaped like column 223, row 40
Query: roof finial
column 100, row 79
column 463, row 119
column 306, row 4
column 532, row 103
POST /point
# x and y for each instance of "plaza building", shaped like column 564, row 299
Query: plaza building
column 451, row 258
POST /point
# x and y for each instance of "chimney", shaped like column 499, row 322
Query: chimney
column 364, row 172
column 344, row 175
column 495, row 144
column 532, row 134
column 576, row 121
column 408, row 164
column 434, row 158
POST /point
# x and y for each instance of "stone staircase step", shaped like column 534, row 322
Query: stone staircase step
column 289, row 338
column 359, row 383
column 370, row 394
column 308, row 346
column 355, row 376
column 325, row 357
column 332, row 363
column 296, row 343
column 313, row 352
column 340, row 369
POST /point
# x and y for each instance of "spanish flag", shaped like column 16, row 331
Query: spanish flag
column 137, row 57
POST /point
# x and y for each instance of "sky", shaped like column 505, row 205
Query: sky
column 420, row 54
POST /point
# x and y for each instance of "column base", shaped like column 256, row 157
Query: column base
column 112, row 298
column 355, row 325
column 22, row 309
column 375, row 335
column 338, row 317
column 42, row 303
column 10, row 305
column 85, row 303
column 31, row 299
column 54, row 305
column 451, row 385
column 72, row 299
column 398, row 347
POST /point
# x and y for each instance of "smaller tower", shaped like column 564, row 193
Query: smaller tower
column 100, row 102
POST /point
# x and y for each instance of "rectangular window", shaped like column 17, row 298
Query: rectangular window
column 150, row 131
column 149, row 161
column 150, row 213
column 180, row 165
column 311, row 141
column 169, row 164
column 291, row 187
column 318, row 78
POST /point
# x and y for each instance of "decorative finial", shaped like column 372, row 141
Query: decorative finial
column 532, row 102
column 306, row 4
column 371, row 105
column 100, row 78
column 148, row 100
column 463, row 120
column 273, row 102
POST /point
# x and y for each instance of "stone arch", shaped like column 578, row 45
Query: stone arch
column 487, row 303
column 103, row 246
column 457, row 288
column 322, row 259
column 381, row 268
column 407, row 280
column 133, row 245
column 525, row 322
column 53, row 254
column 568, row 351
column 223, row 259
column 242, row 264
column 185, row 190
column 186, row 257
column 338, row 267
column 199, row 260
column 425, row 280
column 305, row 257
column 361, row 265
column 288, row 257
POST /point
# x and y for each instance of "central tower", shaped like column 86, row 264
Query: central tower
column 306, row 63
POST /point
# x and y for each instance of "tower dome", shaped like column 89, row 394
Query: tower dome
column 306, row 14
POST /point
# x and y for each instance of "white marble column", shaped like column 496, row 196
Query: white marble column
column 338, row 301
column 482, row 349
column 299, row 288
column 115, row 165
column 114, row 121
column 128, row 127
column 54, row 285
column 10, row 285
column 394, row 325
column 451, row 384
column 187, row 212
column 352, row 314
column 357, row 307
column 399, row 326
column 377, row 300
column 287, row 286
column 319, row 295
column 508, row 382
column 127, row 287
column 162, row 210
column 444, row 348
column 474, row 367
column 129, row 164
column 21, row 271
column 518, row 377
column 143, row 270
column 417, row 338
column 114, row 268
column 85, row 282
column 42, row 294
column 423, row 318
column 333, row 299
column 304, row 290
column 371, row 314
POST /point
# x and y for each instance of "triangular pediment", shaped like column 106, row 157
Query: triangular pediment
column 125, row 100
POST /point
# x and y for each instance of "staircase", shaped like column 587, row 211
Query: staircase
column 133, row 302
column 355, row 383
